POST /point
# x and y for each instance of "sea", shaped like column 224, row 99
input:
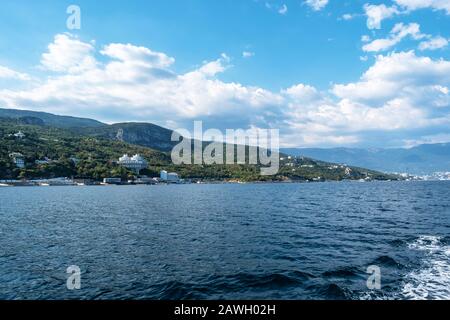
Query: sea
column 294, row 241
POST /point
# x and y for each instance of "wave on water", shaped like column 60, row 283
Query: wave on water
column 432, row 280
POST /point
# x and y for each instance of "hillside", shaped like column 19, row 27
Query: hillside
column 95, row 158
column 143, row 134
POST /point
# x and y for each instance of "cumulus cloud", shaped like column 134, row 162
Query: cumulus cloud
column 400, row 93
column 136, row 83
column 394, row 74
column 397, row 34
column 433, row 43
column 301, row 93
column 7, row 73
column 68, row 54
column 137, row 55
column 316, row 5
column 422, row 4
column 377, row 13
column 283, row 9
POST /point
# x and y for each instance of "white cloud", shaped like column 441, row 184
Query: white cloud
column 347, row 16
column 7, row 73
column 248, row 54
column 380, row 44
column 137, row 55
column 400, row 92
column 136, row 83
column 433, row 43
column 68, row 54
column 316, row 5
column 302, row 93
column 397, row 34
column 365, row 38
column 211, row 69
column 422, row 4
column 377, row 13
column 427, row 139
column 394, row 74
column 283, row 9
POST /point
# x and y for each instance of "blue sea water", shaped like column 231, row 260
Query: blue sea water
column 227, row 241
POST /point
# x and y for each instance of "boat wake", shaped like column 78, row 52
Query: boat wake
column 432, row 279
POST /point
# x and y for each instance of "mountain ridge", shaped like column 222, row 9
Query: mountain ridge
column 50, row 119
column 421, row 160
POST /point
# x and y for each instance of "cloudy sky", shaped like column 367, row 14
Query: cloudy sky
column 325, row 72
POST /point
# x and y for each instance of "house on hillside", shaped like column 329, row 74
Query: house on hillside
column 19, row 135
column 43, row 161
column 18, row 159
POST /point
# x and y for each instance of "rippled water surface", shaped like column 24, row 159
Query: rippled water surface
column 261, row 241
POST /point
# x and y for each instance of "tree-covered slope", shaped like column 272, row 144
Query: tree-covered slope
column 83, row 156
column 49, row 119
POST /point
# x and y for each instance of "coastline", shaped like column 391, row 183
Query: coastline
column 28, row 184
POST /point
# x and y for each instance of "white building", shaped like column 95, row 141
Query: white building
column 18, row 159
column 112, row 180
column 19, row 135
column 173, row 177
column 44, row 161
column 135, row 163
column 169, row 177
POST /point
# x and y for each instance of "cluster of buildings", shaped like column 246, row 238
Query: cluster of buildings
column 134, row 163
column 137, row 163
column 19, row 160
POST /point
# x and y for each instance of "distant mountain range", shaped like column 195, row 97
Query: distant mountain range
column 421, row 160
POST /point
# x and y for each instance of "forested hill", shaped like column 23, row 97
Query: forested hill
column 73, row 154
column 49, row 119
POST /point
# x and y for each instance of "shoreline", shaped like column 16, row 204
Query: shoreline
column 28, row 184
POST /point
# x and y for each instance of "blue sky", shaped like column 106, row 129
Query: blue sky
column 327, row 73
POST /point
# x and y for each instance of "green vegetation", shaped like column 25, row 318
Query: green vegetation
column 73, row 154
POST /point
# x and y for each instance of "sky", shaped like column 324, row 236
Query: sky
column 326, row 73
